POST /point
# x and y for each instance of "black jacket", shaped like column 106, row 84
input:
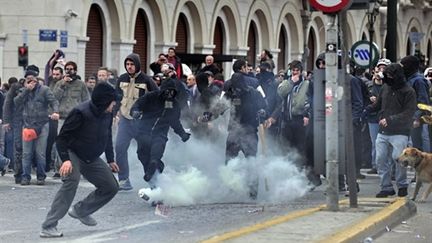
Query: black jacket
column 396, row 102
column 156, row 118
column 86, row 132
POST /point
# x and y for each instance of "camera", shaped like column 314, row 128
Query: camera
column 71, row 14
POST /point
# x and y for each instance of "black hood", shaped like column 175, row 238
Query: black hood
column 102, row 96
column 394, row 76
column 135, row 58
column 167, row 84
column 202, row 82
column 411, row 65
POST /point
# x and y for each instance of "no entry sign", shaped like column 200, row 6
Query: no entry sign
column 330, row 6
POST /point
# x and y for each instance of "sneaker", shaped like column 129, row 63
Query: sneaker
column 5, row 167
column 125, row 185
column 25, row 182
column 372, row 172
column 87, row 220
column 383, row 194
column 18, row 180
column 50, row 233
column 56, row 176
column 40, row 182
column 403, row 192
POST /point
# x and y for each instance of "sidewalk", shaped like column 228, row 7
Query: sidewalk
column 372, row 216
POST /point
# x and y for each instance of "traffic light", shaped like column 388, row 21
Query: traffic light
column 23, row 56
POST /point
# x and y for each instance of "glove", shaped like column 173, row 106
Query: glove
column 185, row 136
column 136, row 114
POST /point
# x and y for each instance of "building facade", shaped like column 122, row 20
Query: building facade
column 96, row 33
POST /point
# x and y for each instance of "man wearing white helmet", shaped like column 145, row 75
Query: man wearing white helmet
column 372, row 118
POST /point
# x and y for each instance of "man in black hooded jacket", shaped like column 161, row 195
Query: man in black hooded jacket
column 85, row 135
column 156, row 112
column 395, row 105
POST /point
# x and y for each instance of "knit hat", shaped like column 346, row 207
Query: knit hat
column 102, row 96
column 410, row 65
column 32, row 70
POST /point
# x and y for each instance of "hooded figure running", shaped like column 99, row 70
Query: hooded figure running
column 85, row 135
column 156, row 112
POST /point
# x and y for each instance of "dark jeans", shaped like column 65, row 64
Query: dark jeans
column 9, row 144
column 293, row 134
column 151, row 148
column 18, row 149
column 52, row 134
column 358, row 146
column 99, row 174
column 243, row 139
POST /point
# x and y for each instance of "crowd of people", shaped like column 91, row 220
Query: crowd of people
column 62, row 123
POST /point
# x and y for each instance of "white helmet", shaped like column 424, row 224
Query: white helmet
column 383, row 61
column 427, row 71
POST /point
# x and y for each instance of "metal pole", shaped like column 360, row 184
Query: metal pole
column 391, row 30
column 371, row 32
column 331, row 102
column 347, row 128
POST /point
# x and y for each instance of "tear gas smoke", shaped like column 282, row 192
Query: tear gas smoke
column 195, row 173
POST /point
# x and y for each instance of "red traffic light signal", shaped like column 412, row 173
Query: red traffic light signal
column 23, row 56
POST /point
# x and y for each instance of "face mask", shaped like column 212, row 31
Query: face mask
column 389, row 81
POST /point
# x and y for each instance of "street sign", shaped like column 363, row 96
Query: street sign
column 360, row 54
column 63, row 38
column 330, row 6
column 415, row 37
column 47, row 35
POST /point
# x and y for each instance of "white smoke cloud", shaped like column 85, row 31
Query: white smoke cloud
column 195, row 173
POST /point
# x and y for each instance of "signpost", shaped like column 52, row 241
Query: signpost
column 361, row 55
column 415, row 38
column 331, row 7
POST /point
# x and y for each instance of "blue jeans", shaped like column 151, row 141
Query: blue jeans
column 390, row 145
column 35, row 149
column 420, row 138
column 373, row 133
column 125, row 132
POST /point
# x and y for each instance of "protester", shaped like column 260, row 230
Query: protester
column 85, row 135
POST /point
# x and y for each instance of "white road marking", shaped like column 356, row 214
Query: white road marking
column 94, row 237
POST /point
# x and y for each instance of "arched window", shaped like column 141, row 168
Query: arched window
column 94, row 47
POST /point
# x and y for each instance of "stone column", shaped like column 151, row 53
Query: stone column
column 81, row 49
column 120, row 50
column 2, row 42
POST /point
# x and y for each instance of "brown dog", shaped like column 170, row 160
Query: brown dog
column 422, row 163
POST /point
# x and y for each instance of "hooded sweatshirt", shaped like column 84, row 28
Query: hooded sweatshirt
column 158, row 113
column 87, row 128
column 131, row 86
column 396, row 102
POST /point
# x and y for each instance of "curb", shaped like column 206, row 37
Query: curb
column 398, row 210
